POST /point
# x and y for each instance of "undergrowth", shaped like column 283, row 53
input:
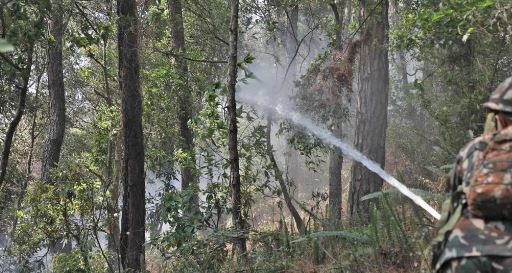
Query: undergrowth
column 396, row 239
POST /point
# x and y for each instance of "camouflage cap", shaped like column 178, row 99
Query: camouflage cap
column 501, row 98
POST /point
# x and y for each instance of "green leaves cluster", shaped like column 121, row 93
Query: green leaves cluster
column 461, row 47
column 442, row 23
column 68, row 209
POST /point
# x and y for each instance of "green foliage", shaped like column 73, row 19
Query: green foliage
column 462, row 47
column 64, row 210
column 198, row 254
column 104, row 129
column 397, row 234
column 24, row 21
column 74, row 262
column 434, row 23
column 460, row 50
column 181, row 214
column 325, row 100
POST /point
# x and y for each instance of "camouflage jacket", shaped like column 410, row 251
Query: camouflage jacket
column 461, row 235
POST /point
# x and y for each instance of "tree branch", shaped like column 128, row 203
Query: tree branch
column 10, row 62
column 84, row 15
column 180, row 56
column 297, row 51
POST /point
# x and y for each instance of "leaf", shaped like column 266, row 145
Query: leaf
column 249, row 58
column 486, row 3
column 468, row 33
column 5, row 46
column 437, row 16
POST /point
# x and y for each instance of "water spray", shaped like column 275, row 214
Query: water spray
column 327, row 137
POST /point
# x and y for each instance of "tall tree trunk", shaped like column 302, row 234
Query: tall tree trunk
column 292, row 19
column 57, row 99
column 28, row 172
column 134, row 211
column 57, row 102
column 335, row 155
column 6, row 151
column 400, row 62
column 282, row 184
column 338, row 18
column 234, row 161
column 293, row 168
column 9, row 135
column 335, row 187
column 184, row 97
column 371, row 122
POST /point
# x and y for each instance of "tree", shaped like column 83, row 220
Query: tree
column 57, row 99
column 278, row 174
column 234, row 161
column 371, row 119
column 184, row 97
column 16, row 70
column 335, row 186
column 134, row 210
column 463, row 47
column 292, row 43
column 25, row 80
column 325, row 92
column 290, row 36
column 335, row 155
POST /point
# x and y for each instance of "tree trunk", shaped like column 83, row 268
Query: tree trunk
column 282, row 184
column 335, row 187
column 57, row 99
column 184, row 98
column 293, row 167
column 28, row 173
column 371, row 122
column 335, row 155
column 57, row 102
column 134, row 211
column 9, row 135
column 292, row 18
column 338, row 18
column 234, row 161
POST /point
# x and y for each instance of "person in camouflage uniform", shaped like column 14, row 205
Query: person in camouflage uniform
column 466, row 243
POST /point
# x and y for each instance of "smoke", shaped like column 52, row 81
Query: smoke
column 266, row 104
column 270, row 93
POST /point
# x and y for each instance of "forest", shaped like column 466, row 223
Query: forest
column 237, row 135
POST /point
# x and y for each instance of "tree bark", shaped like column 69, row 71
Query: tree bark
column 371, row 122
column 338, row 18
column 9, row 135
column 57, row 99
column 234, row 161
column 184, row 98
column 335, row 155
column 134, row 211
column 292, row 19
column 335, row 186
